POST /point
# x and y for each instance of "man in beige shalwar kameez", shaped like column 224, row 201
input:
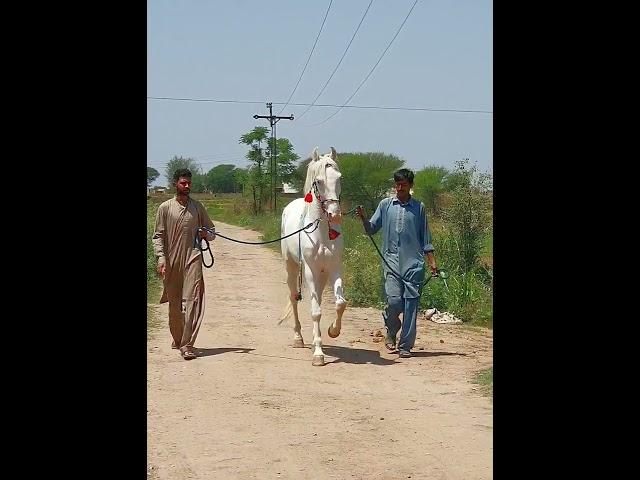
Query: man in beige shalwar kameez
column 179, row 262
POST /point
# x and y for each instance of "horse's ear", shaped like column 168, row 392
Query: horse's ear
column 334, row 154
column 315, row 156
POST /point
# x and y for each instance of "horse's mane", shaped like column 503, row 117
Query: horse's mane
column 316, row 170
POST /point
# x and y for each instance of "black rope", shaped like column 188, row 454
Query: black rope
column 198, row 244
column 438, row 273
column 317, row 222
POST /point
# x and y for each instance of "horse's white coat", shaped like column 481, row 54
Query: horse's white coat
column 321, row 256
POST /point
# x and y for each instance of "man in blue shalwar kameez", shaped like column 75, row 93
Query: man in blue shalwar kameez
column 405, row 245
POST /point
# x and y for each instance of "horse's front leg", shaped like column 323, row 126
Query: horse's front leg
column 341, row 303
column 316, row 285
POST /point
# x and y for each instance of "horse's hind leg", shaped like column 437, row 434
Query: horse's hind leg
column 292, row 281
column 341, row 303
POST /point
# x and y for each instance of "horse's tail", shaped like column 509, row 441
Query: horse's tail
column 288, row 309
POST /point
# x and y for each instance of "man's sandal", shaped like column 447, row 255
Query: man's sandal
column 188, row 354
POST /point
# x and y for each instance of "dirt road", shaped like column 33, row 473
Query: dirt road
column 253, row 407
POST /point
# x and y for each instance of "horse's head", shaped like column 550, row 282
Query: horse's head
column 323, row 182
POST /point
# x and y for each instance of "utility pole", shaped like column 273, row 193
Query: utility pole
column 273, row 119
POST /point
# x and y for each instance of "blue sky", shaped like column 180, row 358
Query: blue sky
column 252, row 51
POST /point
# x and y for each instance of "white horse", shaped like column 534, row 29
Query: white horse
column 319, row 247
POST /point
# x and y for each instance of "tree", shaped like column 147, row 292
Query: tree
column 198, row 182
column 428, row 186
column 469, row 212
column 459, row 177
column 299, row 174
column 152, row 174
column 367, row 177
column 222, row 179
column 177, row 163
column 256, row 180
column 285, row 159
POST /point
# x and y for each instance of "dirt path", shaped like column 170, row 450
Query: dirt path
column 252, row 407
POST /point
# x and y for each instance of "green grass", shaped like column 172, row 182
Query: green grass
column 154, row 283
column 485, row 379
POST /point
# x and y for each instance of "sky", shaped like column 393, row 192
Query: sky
column 252, row 52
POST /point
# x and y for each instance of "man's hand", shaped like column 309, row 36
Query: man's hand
column 360, row 211
column 207, row 234
column 431, row 260
column 162, row 267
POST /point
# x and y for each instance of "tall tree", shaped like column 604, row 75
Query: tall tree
column 256, row 181
column 177, row 163
column 222, row 179
column 152, row 174
column 367, row 177
column 285, row 159
column 428, row 186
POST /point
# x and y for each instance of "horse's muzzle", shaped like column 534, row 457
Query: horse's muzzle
column 335, row 217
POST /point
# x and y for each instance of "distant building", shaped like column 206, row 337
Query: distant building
column 286, row 188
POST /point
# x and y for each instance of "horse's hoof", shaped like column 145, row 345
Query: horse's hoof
column 332, row 334
column 298, row 343
column 318, row 360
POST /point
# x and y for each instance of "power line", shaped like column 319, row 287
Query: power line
column 202, row 100
column 200, row 159
column 160, row 163
column 343, row 55
column 307, row 63
column 377, row 107
column 369, row 74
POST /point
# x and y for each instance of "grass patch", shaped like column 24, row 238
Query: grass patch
column 485, row 380
column 154, row 283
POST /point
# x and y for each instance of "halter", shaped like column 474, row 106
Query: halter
column 333, row 234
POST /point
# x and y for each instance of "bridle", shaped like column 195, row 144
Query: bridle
column 333, row 234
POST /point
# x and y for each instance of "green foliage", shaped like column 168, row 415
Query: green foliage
column 152, row 175
column 485, row 378
column 255, row 136
column 459, row 178
column 469, row 214
column 177, row 163
column 428, row 186
column 285, row 159
column 362, row 268
column 198, row 183
column 299, row 174
column 153, row 281
column 257, row 182
column 367, row 177
column 223, row 179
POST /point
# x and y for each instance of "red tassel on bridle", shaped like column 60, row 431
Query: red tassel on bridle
column 308, row 198
column 333, row 234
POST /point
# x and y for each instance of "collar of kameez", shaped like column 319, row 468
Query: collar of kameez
column 396, row 199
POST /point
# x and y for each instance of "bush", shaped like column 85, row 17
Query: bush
column 469, row 216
